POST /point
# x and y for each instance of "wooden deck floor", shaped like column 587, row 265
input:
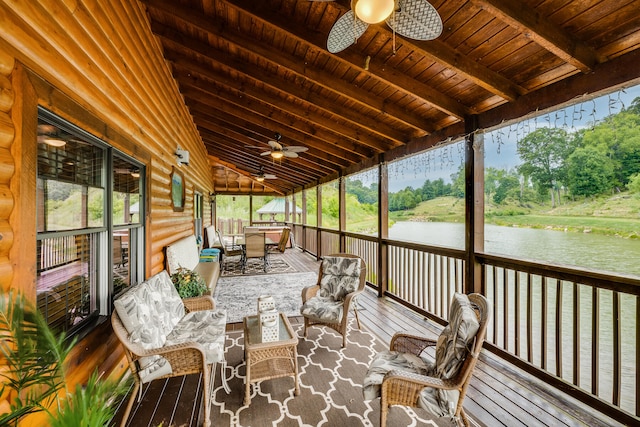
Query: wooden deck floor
column 500, row 394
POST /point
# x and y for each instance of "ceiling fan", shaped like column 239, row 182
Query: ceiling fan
column 414, row 19
column 278, row 151
column 261, row 176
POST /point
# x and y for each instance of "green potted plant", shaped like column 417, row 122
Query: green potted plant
column 33, row 374
column 188, row 283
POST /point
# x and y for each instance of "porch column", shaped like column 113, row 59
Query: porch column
column 286, row 209
column 474, row 204
column 318, row 221
column 304, row 218
column 383, row 226
column 342, row 211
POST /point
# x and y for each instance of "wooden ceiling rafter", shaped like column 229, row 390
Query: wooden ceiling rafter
column 196, row 77
column 316, row 77
column 316, row 40
column 542, row 32
column 232, row 167
column 249, row 69
column 293, row 136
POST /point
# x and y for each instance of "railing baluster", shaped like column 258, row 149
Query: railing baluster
column 559, row 300
column 529, row 319
column 576, row 334
column 517, row 312
column 505, row 303
column 543, row 350
column 615, row 318
column 595, row 340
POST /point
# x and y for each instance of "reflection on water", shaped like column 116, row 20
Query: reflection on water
column 593, row 251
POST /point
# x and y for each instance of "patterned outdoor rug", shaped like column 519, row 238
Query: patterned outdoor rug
column 277, row 265
column 239, row 294
column 330, row 387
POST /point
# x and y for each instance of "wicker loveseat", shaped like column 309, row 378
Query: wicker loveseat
column 184, row 253
column 164, row 336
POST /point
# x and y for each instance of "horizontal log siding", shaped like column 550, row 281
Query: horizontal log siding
column 95, row 63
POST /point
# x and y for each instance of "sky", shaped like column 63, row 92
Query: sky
column 501, row 144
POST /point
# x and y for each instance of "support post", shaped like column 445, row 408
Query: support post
column 342, row 211
column 474, row 204
column 319, row 221
column 383, row 226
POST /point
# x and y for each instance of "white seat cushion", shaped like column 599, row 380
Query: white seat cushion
column 206, row 327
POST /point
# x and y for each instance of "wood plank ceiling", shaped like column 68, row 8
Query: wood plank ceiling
column 248, row 69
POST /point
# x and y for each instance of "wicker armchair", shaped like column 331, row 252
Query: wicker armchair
column 340, row 279
column 404, row 375
column 194, row 344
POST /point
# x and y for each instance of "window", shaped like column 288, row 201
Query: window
column 74, row 196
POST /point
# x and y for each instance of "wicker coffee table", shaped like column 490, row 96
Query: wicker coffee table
column 269, row 360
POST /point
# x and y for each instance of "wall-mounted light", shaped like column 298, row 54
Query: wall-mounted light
column 183, row 157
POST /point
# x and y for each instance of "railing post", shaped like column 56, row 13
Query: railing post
column 474, row 204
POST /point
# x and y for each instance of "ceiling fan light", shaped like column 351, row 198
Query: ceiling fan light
column 260, row 178
column 277, row 154
column 373, row 11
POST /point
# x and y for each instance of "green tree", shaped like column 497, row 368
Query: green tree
column 619, row 136
column 543, row 153
column 634, row 184
column 589, row 171
column 507, row 185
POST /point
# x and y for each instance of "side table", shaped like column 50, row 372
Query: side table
column 269, row 360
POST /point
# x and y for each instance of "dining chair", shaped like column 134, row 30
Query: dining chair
column 281, row 245
column 229, row 250
column 254, row 247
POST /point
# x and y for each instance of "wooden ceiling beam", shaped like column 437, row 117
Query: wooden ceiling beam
column 226, row 165
column 274, row 82
column 197, row 78
column 292, row 136
column 318, row 77
column 302, row 134
column 377, row 69
column 542, row 31
column 236, row 154
column 241, row 136
column 197, row 98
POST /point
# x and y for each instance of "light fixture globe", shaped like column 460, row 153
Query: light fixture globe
column 260, row 178
column 277, row 154
column 372, row 11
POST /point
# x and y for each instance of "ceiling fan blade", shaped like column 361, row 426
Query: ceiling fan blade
column 275, row 145
column 417, row 20
column 290, row 154
column 269, row 176
column 266, row 153
column 345, row 32
column 295, row 149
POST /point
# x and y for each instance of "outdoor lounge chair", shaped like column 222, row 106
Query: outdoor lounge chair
column 403, row 375
column 327, row 303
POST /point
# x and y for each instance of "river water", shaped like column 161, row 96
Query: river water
column 594, row 251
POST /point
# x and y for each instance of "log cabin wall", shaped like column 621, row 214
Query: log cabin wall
column 96, row 64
